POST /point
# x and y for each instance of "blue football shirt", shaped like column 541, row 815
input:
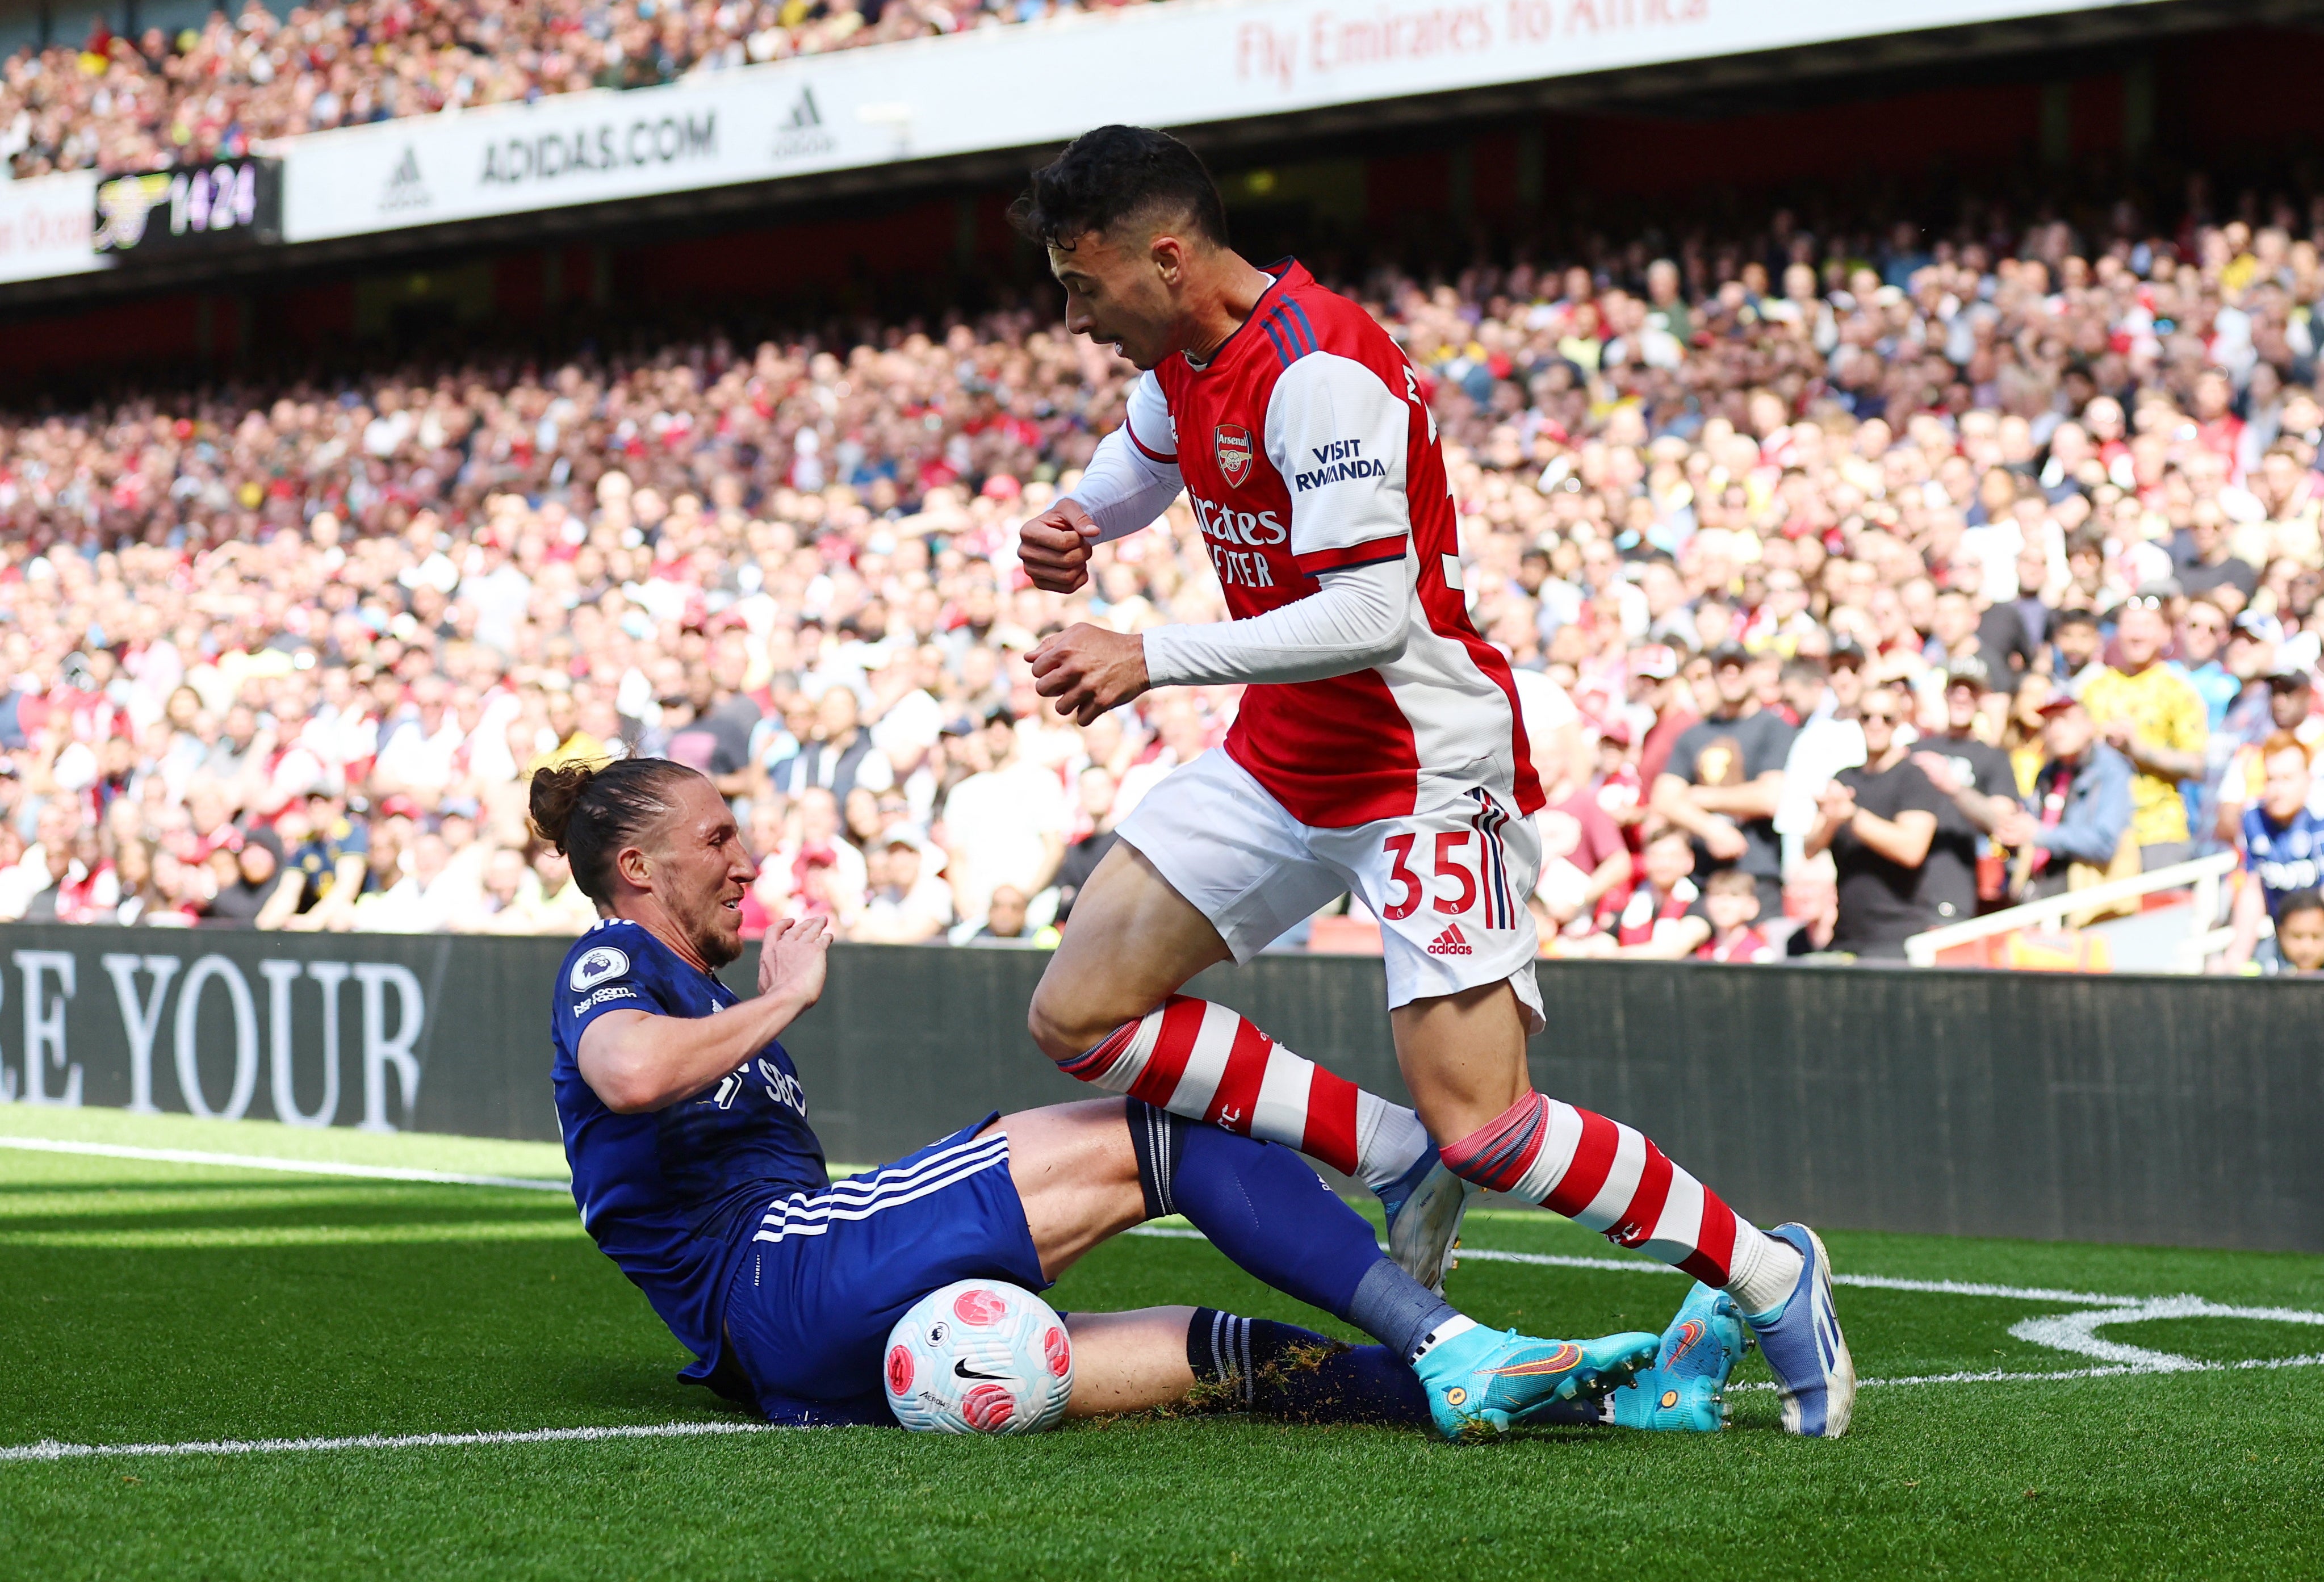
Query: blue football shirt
column 2286, row 857
column 673, row 1197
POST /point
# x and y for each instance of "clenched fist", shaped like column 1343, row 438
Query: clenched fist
column 1054, row 547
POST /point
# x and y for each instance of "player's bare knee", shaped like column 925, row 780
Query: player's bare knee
column 1050, row 1022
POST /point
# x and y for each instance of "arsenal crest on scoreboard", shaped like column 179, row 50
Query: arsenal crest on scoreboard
column 1234, row 452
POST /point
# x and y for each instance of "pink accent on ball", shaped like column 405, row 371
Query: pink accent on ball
column 980, row 1307
column 988, row 1408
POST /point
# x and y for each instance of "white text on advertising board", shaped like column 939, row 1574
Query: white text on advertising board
column 1332, row 40
column 606, row 146
column 384, row 1019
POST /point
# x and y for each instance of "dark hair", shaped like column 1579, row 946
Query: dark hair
column 1112, row 173
column 1731, row 882
column 2076, row 617
column 589, row 811
column 2298, row 901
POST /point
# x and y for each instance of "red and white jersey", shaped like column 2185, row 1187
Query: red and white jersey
column 1305, row 447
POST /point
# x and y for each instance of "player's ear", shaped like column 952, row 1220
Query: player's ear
column 632, row 865
column 1169, row 253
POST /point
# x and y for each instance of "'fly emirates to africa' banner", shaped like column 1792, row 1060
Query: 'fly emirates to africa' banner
column 1180, row 64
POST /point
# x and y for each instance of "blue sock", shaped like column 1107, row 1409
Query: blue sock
column 1285, row 1370
column 1263, row 1207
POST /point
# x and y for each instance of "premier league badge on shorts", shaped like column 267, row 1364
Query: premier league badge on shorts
column 1234, row 452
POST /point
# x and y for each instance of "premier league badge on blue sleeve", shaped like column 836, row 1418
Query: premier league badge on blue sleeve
column 596, row 965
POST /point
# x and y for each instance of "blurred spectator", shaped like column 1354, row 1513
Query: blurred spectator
column 1726, row 778
column 1829, row 740
column 429, row 895
column 2149, row 714
column 1095, row 838
column 1730, row 906
column 2282, row 844
column 2299, row 936
column 245, row 876
column 1879, row 820
column 1583, row 860
column 2080, row 832
column 1659, row 915
column 2075, row 644
column 1005, row 824
column 1005, row 920
column 546, row 901
column 908, row 903
column 2203, row 634
column 1979, row 789
column 838, row 754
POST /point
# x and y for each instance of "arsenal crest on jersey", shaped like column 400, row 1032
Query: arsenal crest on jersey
column 1234, row 452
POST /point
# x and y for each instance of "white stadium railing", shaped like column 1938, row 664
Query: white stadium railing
column 2204, row 940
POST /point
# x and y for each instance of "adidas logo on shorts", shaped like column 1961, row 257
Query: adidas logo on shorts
column 1451, row 942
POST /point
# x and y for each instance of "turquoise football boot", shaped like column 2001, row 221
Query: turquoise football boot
column 1686, row 1389
column 1479, row 1382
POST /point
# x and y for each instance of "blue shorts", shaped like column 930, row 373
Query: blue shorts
column 826, row 1274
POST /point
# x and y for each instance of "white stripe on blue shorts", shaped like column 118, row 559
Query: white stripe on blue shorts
column 811, row 1214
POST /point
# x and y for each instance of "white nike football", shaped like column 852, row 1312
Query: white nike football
column 980, row 1356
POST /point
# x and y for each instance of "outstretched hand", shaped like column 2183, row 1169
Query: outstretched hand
column 792, row 959
column 1054, row 547
column 1089, row 669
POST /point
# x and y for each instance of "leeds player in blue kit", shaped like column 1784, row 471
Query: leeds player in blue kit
column 696, row 1171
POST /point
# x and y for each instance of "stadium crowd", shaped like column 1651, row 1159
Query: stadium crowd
column 122, row 104
column 1853, row 586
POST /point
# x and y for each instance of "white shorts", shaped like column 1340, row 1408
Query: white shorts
column 1448, row 885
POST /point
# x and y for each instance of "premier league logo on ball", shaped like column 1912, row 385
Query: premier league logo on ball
column 1234, row 452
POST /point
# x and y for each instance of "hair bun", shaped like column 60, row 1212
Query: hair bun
column 554, row 792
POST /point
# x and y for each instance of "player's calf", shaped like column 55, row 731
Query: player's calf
column 1614, row 1179
column 1203, row 1062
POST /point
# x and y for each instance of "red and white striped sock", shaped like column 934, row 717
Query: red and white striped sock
column 1612, row 1179
column 1207, row 1063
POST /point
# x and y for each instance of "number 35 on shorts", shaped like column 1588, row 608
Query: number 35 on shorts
column 1457, row 863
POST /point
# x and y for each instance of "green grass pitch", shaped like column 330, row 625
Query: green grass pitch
column 147, row 1303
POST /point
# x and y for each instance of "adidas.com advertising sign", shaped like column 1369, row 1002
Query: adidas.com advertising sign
column 1180, row 64
column 733, row 127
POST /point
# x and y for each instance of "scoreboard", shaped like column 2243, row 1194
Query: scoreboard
column 206, row 208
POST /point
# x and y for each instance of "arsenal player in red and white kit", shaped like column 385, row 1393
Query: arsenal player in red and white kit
column 1379, row 750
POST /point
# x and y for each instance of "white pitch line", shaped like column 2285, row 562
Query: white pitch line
column 380, row 1173
column 2111, row 1371
column 297, row 1167
column 55, row 1450
column 2028, row 1293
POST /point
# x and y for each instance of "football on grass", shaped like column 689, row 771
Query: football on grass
column 980, row 1356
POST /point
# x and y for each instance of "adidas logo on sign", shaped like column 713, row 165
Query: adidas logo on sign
column 406, row 188
column 801, row 135
column 1451, row 942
